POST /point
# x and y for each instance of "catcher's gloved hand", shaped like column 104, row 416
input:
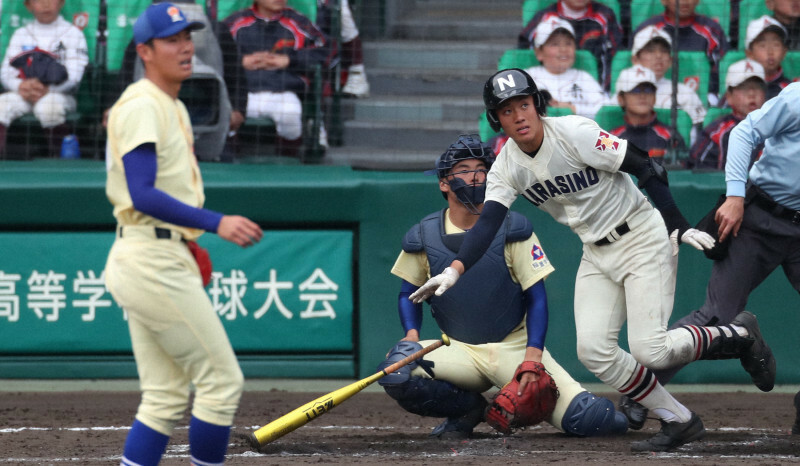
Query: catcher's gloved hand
column 698, row 239
column 438, row 284
column 509, row 410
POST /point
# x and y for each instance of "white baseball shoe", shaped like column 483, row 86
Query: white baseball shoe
column 356, row 85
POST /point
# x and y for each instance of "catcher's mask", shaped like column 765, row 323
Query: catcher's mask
column 467, row 146
column 506, row 84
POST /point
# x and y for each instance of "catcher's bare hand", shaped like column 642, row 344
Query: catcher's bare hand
column 438, row 284
column 239, row 230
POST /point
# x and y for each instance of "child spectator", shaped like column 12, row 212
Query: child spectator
column 787, row 12
column 594, row 26
column 746, row 90
column 695, row 32
column 352, row 53
column 279, row 47
column 766, row 44
column 42, row 69
column 636, row 94
column 568, row 87
column 652, row 49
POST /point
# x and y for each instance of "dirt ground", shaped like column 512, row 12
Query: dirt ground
column 90, row 428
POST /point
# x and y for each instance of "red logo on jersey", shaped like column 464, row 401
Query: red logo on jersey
column 605, row 141
column 537, row 253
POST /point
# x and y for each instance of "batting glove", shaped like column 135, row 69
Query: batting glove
column 698, row 239
column 438, row 284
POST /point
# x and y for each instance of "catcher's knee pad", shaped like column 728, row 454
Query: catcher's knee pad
column 399, row 352
column 589, row 415
column 434, row 398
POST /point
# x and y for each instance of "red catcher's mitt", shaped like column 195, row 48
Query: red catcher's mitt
column 508, row 410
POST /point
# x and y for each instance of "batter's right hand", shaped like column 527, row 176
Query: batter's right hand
column 239, row 230
column 438, row 284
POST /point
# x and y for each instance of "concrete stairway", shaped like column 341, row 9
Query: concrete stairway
column 426, row 80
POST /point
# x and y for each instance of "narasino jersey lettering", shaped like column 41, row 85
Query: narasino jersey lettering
column 574, row 176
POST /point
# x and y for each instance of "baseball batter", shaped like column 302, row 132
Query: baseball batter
column 496, row 318
column 155, row 186
column 577, row 172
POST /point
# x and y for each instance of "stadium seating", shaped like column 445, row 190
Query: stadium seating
column 719, row 10
column 714, row 113
column 610, row 117
column 525, row 58
column 530, row 7
column 226, row 7
column 748, row 11
column 694, row 70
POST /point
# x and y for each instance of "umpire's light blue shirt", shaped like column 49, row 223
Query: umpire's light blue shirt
column 777, row 172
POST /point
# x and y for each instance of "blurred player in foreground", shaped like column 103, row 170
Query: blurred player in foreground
column 155, row 186
column 496, row 319
column 574, row 170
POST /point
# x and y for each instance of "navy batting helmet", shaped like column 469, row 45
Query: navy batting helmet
column 506, row 84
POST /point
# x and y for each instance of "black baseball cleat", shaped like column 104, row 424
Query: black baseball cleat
column 672, row 435
column 757, row 360
column 796, row 426
column 460, row 428
column 635, row 412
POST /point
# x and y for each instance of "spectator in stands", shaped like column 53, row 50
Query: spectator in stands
column 232, row 70
column 695, row 32
column 41, row 71
column 568, row 87
column 279, row 48
column 636, row 94
column 352, row 54
column 595, row 28
column 497, row 142
column 766, row 44
column 787, row 12
column 652, row 49
column 746, row 91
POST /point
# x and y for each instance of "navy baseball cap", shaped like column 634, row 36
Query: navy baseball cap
column 161, row 20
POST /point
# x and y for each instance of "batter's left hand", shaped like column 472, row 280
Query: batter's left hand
column 698, row 239
column 239, row 230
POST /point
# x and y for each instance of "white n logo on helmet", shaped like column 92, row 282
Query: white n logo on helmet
column 507, row 81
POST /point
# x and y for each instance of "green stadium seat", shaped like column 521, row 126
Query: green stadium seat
column 121, row 16
column 610, row 117
column 694, row 70
column 714, row 113
column 748, row 11
column 83, row 13
column 531, row 7
column 719, row 10
column 525, row 58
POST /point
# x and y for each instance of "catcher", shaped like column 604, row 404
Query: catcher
column 496, row 320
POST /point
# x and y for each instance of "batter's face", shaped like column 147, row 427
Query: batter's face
column 769, row 50
column 746, row 97
column 557, row 54
column 520, row 121
column 169, row 60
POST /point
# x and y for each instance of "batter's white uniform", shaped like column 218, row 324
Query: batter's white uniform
column 68, row 43
column 478, row 368
column 176, row 335
column 574, row 86
column 575, row 177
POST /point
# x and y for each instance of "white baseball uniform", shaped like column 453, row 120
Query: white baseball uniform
column 575, row 177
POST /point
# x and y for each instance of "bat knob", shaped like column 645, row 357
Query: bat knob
column 445, row 340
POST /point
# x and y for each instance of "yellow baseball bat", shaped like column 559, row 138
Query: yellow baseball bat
column 313, row 409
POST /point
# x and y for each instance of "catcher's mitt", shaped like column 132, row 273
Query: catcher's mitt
column 508, row 410
column 40, row 64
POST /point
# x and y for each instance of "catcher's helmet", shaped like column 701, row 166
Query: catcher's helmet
column 506, row 84
column 467, row 146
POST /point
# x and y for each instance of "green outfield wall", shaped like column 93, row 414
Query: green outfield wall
column 315, row 298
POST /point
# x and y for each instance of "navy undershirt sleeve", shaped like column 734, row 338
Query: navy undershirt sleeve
column 410, row 313
column 538, row 314
column 140, row 173
column 479, row 238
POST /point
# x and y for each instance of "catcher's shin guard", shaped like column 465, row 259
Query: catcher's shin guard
column 434, row 398
column 589, row 415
